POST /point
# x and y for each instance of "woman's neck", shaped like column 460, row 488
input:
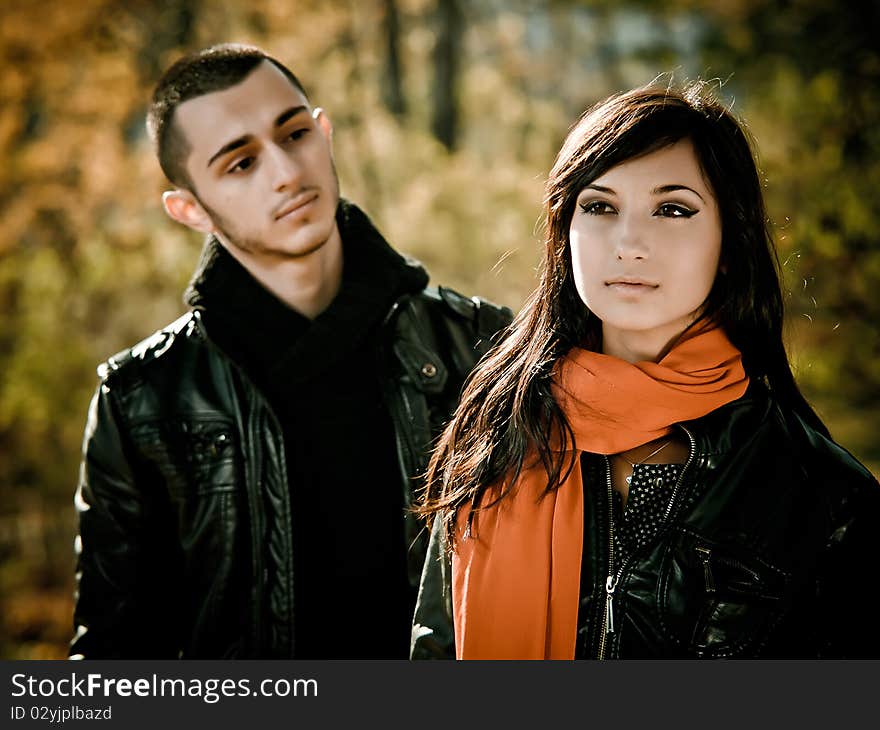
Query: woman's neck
column 641, row 345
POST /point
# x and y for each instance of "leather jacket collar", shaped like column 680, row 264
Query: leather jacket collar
column 246, row 319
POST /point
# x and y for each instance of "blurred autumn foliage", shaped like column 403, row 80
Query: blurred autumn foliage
column 447, row 117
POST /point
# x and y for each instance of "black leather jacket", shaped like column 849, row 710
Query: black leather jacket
column 183, row 468
column 770, row 548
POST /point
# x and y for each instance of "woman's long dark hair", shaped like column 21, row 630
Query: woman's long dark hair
column 507, row 408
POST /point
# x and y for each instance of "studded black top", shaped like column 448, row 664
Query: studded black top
column 650, row 490
column 634, row 526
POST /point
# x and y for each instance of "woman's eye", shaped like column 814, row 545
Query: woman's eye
column 672, row 210
column 596, row 207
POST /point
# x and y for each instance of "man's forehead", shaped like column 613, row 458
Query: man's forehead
column 249, row 107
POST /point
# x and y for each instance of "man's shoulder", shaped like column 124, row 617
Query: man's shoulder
column 154, row 351
column 438, row 331
column 483, row 317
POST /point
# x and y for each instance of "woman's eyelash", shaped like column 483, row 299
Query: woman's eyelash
column 673, row 210
column 666, row 210
column 596, row 207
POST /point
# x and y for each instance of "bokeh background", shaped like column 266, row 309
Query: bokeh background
column 447, row 117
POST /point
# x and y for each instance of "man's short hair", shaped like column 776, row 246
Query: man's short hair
column 203, row 72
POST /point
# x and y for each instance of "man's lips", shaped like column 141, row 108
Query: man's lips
column 293, row 205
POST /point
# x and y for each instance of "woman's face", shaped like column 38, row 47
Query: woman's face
column 645, row 244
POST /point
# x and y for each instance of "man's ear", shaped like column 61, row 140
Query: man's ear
column 182, row 206
column 323, row 122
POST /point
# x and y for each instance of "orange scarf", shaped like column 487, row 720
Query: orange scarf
column 516, row 579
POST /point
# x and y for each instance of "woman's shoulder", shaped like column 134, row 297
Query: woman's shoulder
column 728, row 427
column 823, row 456
column 758, row 417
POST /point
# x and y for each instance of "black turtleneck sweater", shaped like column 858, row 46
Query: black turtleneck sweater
column 321, row 378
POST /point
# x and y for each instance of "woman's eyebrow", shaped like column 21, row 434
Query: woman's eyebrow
column 671, row 188
column 600, row 188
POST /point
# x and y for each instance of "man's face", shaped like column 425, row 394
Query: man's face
column 261, row 166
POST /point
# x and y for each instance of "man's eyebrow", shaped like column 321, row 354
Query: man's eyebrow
column 672, row 188
column 241, row 141
column 229, row 146
column 289, row 114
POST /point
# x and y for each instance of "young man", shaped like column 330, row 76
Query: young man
column 246, row 471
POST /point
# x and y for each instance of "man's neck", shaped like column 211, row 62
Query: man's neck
column 306, row 284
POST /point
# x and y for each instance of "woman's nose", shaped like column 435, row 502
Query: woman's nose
column 631, row 242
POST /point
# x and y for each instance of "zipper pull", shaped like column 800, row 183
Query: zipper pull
column 610, row 585
column 705, row 556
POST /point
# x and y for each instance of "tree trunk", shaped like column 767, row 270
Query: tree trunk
column 392, row 82
column 447, row 52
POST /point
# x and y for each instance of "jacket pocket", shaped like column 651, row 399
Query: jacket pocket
column 195, row 456
column 719, row 599
column 199, row 466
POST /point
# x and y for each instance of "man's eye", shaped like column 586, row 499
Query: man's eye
column 297, row 134
column 596, row 207
column 672, row 210
column 243, row 164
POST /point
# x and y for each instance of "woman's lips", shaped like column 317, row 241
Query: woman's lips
column 631, row 286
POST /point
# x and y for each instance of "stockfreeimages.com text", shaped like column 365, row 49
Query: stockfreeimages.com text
column 209, row 690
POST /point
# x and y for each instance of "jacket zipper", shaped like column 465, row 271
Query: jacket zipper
column 693, row 451
column 705, row 554
column 613, row 578
column 254, row 488
column 610, row 583
column 406, row 456
column 255, row 510
column 706, row 557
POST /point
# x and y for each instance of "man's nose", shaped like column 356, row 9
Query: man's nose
column 286, row 170
column 631, row 243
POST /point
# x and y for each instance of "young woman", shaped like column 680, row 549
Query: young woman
column 633, row 471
